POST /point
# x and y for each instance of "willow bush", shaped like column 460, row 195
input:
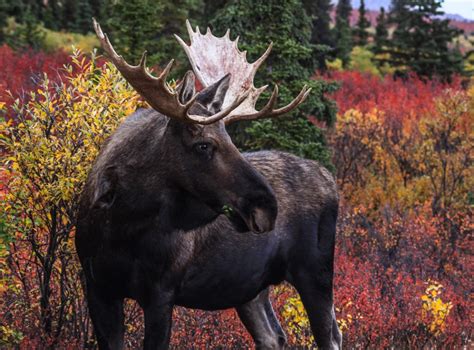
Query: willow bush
column 50, row 141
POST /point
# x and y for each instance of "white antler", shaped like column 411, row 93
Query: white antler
column 212, row 57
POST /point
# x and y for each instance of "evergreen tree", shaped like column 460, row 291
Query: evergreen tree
column 70, row 14
column 344, row 10
column 26, row 34
column 360, row 32
column 288, row 66
column 134, row 27
column 320, row 13
column 210, row 8
column 83, row 20
column 342, row 31
column 420, row 43
column 3, row 19
column 140, row 25
column 381, row 32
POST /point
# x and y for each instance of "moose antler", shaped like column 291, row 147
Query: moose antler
column 155, row 90
column 212, row 57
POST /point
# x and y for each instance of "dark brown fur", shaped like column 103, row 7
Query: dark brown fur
column 151, row 227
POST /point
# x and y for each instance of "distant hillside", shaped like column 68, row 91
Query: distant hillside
column 464, row 24
column 457, row 20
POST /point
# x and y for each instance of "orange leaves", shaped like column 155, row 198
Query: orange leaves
column 405, row 160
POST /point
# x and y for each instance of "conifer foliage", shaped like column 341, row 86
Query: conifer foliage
column 420, row 42
column 319, row 12
column 342, row 31
column 381, row 32
column 360, row 31
column 289, row 65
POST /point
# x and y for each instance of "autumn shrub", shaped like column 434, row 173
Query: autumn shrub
column 21, row 71
column 403, row 163
column 67, row 41
column 57, row 133
column 403, row 151
column 400, row 282
column 398, row 99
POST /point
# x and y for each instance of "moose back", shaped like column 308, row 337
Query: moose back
column 173, row 214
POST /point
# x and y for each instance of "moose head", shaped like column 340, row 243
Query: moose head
column 193, row 166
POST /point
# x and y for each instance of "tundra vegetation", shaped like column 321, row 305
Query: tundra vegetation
column 402, row 154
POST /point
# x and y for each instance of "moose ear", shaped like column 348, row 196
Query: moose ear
column 104, row 194
column 213, row 96
column 186, row 89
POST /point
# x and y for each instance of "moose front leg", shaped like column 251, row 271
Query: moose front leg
column 158, row 320
column 107, row 318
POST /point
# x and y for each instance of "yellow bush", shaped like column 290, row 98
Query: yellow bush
column 49, row 150
column 434, row 309
column 422, row 159
column 54, row 41
column 297, row 320
column 335, row 65
column 361, row 60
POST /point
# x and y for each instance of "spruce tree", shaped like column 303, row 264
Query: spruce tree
column 381, row 32
column 139, row 25
column 70, row 13
column 27, row 34
column 342, row 32
column 344, row 10
column 210, row 8
column 421, row 40
column 360, row 32
column 320, row 14
column 288, row 66
column 134, row 27
column 3, row 19
column 83, row 20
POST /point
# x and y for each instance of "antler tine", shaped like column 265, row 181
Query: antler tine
column 268, row 111
column 212, row 57
column 262, row 58
column 155, row 89
column 107, row 46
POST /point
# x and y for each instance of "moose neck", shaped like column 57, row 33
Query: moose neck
column 180, row 210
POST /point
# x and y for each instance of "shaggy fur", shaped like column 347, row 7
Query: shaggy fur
column 151, row 227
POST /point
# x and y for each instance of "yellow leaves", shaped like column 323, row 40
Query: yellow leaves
column 420, row 158
column 434, row 310
column 297, row 320
column 51, row 148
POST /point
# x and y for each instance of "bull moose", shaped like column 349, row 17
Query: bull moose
column 173, row 214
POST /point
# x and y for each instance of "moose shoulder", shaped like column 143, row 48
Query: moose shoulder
column 173, row 214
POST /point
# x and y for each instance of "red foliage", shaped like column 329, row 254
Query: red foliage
column 380, row 285
column 21, row 69
column 397, row 98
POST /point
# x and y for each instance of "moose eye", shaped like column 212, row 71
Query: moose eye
column 204, row 148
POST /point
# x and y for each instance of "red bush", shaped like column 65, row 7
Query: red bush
column 380, row 282
column 21, row 69
column 397, row 98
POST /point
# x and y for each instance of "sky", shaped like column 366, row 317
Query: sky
column 464, row 8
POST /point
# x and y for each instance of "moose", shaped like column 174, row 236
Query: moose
column 173, row 214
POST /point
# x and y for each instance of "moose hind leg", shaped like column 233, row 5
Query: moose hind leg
column 260, row 321
column 312, row 276
column 108, row 320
